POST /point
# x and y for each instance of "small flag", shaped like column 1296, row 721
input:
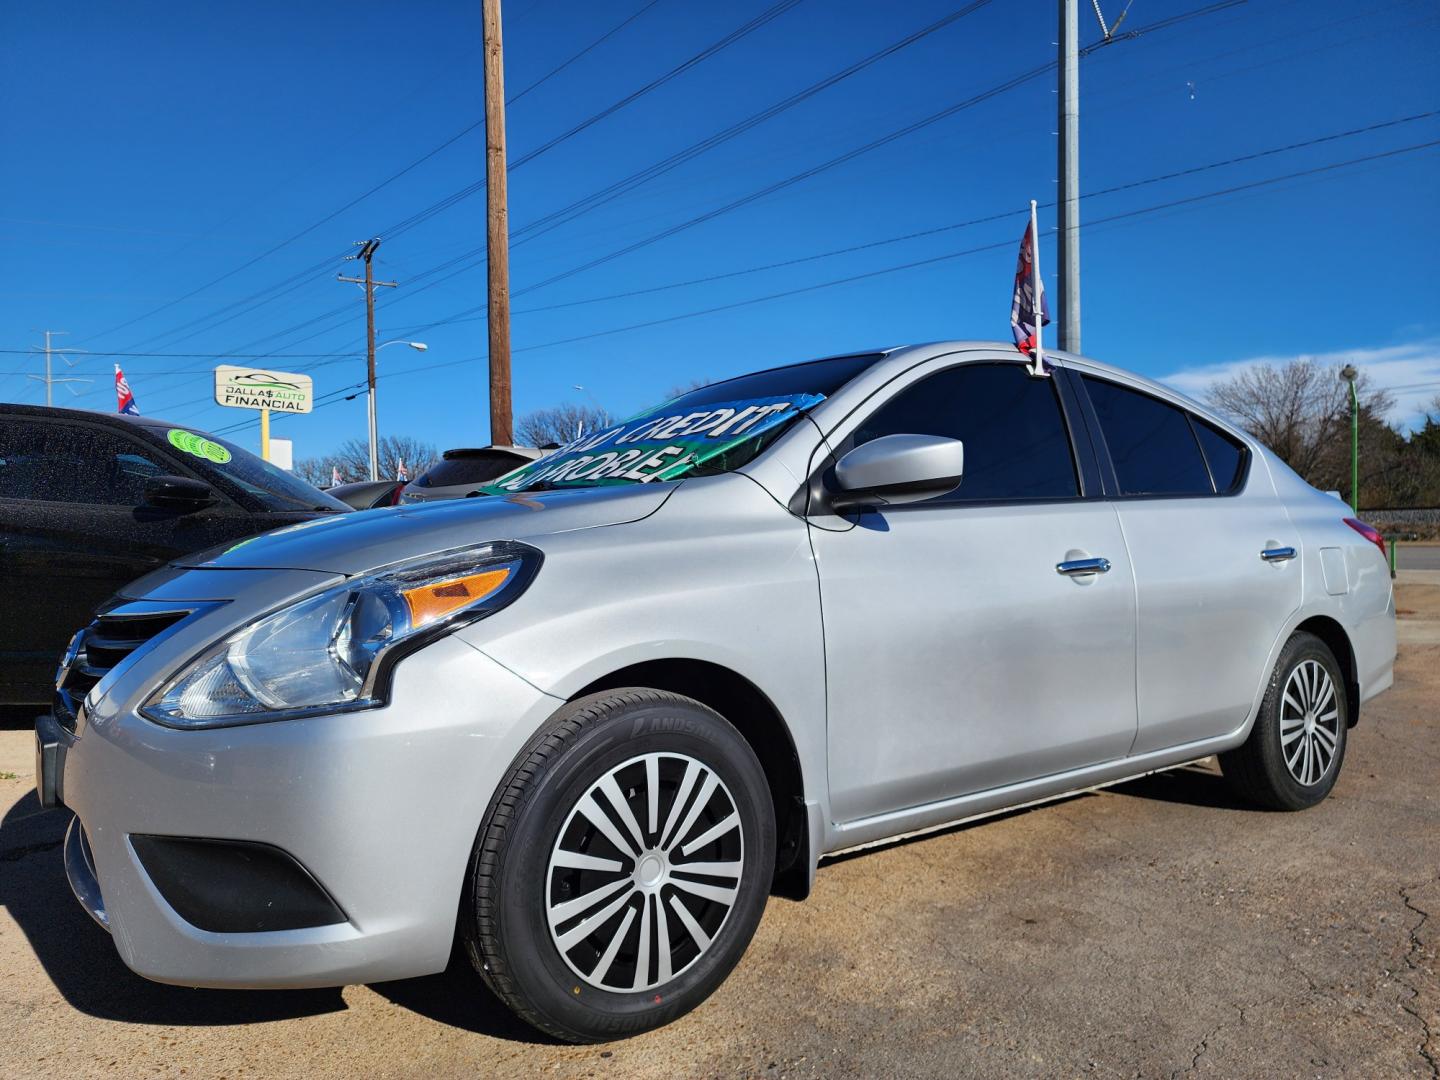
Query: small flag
column 125, row 400
column 1022, row 303
column 402, row 473
column 334, row 475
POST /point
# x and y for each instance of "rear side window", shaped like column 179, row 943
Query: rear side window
column 1016, row 442
column 1225, row 456
column 1151, row 443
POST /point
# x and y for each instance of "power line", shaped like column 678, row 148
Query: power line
column 851, row 155
column 659, row 168
column 734, row 36
column 1212, row 8
column 931, row 261
column 197, row 355
column 588, row 48
column 1318, row 140
column 766, row 16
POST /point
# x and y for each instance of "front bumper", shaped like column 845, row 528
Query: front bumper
column 381, row 806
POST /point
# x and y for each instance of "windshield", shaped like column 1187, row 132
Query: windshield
column 470, row 467
column 271, row 486
column 714, row 429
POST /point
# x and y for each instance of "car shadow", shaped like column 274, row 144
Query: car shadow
column 1193, row 785
column 80, row 959
column 1199, row 784
column 459, row 998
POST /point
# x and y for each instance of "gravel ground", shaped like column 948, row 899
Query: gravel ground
column 1157, row 929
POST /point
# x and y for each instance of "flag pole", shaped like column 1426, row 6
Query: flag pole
column 1037, row 367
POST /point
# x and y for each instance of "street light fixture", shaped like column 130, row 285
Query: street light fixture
column 1349, row 374
column 418, row 346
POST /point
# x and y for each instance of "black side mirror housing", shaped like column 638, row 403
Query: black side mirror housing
column 178, row 493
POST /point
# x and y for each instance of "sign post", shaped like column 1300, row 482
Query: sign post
column 252, row 388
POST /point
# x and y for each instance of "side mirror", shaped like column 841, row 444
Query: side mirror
column 178, row 493
column 898, row 469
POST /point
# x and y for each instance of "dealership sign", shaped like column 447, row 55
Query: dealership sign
column 253, row 388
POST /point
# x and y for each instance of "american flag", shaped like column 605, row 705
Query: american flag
column 125, row 400
column 1022, row 302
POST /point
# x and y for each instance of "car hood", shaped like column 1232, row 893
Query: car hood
column 362, row 541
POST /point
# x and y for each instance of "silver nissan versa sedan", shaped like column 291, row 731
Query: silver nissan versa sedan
column 590, row 721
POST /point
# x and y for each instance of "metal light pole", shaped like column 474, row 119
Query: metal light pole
column 1349, row 374
column 418, row 346
column 1067, row 207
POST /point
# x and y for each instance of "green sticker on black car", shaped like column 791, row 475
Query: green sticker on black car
column 198, row 446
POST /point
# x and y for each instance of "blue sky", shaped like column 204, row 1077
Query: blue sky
column 153, row 148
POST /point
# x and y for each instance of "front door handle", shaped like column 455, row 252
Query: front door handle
column 1083, row 566
column 1277, row 554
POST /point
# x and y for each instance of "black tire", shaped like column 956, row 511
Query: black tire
column 512, row 887
column 1257, row 770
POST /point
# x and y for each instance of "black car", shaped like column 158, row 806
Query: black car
column 368, row 494
column 91, row 501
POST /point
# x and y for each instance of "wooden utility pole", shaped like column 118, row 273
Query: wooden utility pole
column 497, row 235
column 367, row 252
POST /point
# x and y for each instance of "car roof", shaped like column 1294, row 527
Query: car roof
column 43, row 411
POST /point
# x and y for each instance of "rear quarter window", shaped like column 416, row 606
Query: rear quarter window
column 1225, row 456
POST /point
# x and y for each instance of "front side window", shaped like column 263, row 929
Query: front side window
column 1151, row 443
column 72, row 464
column 1016, row 442
column 269, row 485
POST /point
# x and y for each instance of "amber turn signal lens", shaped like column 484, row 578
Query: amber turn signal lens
column 439, row 598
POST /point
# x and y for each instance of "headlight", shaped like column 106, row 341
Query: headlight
column 333, row 651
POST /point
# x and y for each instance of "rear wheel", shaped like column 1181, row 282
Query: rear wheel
column 1296, row 748
column 622, row 868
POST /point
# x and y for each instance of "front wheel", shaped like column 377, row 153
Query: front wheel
column 622, row 867
column 1294, row 753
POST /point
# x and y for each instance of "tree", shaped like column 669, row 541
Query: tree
column 681, row 389
column 1301, row 410
column 353, row 460
column 561, row 424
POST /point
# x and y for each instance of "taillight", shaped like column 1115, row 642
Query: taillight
column 1369, row 532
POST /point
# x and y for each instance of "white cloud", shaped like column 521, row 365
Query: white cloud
column 1410, row 372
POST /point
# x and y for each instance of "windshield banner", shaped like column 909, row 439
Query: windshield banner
column 657, row 445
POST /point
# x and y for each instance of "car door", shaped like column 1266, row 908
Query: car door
column 1214, row 552
column 958, row 658
column 76, row 530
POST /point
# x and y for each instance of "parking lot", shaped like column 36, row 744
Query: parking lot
column 1155, row 929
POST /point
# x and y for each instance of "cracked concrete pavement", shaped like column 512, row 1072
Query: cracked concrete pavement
column 1159, row 929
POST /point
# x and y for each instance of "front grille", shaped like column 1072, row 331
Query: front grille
column 109, row 640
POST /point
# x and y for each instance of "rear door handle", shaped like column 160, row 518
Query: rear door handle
column 1083, row 566
column 1277, row 554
